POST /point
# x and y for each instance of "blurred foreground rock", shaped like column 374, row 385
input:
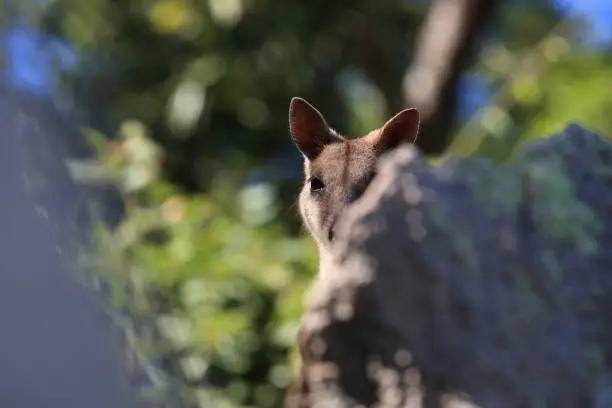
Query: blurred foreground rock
column 57, row 347
column 473, row 281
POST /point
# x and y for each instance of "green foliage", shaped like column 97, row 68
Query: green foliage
column 212, row 78
column 540, row 90
column 217, row 280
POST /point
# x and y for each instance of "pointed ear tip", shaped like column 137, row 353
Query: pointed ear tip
column 413, row 112
column 296, row 103
column 296, row 100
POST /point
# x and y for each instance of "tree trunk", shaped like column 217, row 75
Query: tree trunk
column 445, row 48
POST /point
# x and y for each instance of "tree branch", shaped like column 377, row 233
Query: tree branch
column 444, row 50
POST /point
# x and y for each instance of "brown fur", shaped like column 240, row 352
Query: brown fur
column 341, row 167
column 345, row 168
column 337, row 172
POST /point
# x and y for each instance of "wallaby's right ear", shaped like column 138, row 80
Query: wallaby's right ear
column 308, row 128
column 403, row 127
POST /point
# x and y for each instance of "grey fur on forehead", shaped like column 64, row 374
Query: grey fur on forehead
column 352, row 155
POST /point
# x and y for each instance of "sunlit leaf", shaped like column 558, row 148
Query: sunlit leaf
column 169, row 16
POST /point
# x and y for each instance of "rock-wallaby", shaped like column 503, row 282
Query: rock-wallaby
column 337, row 171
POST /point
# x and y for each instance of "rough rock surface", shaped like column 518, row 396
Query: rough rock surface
column 489, row 282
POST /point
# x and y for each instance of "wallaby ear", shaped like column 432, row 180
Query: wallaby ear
column 403, row 127
column 308, row 128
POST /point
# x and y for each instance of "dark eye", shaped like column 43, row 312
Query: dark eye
column 316, row 184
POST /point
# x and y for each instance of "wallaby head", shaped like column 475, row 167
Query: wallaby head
column 337, row 170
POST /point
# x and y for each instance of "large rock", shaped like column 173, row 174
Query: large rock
column 475, row 279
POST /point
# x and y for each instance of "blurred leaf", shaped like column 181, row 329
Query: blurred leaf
column 169, row 16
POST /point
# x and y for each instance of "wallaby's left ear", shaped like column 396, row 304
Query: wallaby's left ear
column 308, row 128
column 403, row 127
